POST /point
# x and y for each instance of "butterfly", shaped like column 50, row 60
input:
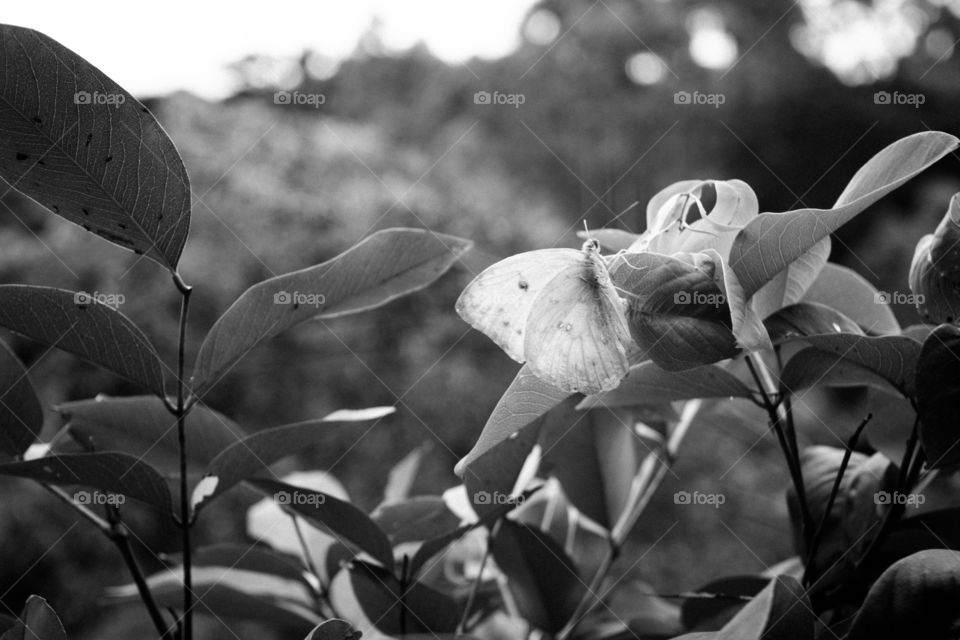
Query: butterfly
column 558, row 311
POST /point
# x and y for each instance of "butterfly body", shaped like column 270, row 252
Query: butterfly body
column 556, row 310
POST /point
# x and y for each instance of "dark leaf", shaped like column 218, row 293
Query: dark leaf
column 415, row 520
column 334, row 629
column 37, row 622
column 938, row 388
column 21, row 417
column 807, row 319
column 717, row 602
column 647, row 383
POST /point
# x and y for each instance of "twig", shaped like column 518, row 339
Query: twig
column 471, row 598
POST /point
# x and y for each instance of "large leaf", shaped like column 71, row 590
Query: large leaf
column 83, row 326
column 37, row 622
column 237, row 582
column 77, row 143
column 21, row 417
column 255, row 453
column 647, row 383
column 108, row 472
column 543, row 580
column 807, row 319
column 382, row 267
column 509, row 435
column 771, row 241
column 915, row 598
column 377, row 604
column 143, row 427
column 678, row 315
column 846, row 291
column 938, row 391
column 347, row 523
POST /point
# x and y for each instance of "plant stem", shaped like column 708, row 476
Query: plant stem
column 791, row 454
column 818, row 534
column 181, row 414
column 471, row 598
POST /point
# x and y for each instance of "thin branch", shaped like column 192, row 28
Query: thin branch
column 475, row 587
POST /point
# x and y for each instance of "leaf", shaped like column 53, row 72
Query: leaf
column 415, row 520
column 542, row 579
column 677, row 314
column 811, row 367
column 508, row 436
column 717, row 602
column 255, row 453
column 648, row 383
column 237, row 582
column 21, row 417
column 807, row 319
column 37, row 622
column 344, row 521
column 403, row 474
column 915, row 598
column 143, row 427
column 893, row 358
column 333, row 629
column 382, row 267
column 83, row 326
column 377, row 605
column 109, row 472
column 77, row 143
column 938, row 387
column 846, row 291
column 771, row 241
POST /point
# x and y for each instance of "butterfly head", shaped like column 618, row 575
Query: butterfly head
column 592, row 245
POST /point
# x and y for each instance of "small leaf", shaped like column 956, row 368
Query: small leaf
column 415, row 520
column 237, row 582
column 647, row 383
column 915, row 598
column 403, row 474
column 334, row 629
column 109, row 472
column 77, row 143
column 717, row 602
column 21, row 417
column 83, row 326
column 543, row 580
column 938, row 386
column 37, row 622
column 846, row 291
column 255, row 453
column 344, row 521
column 382, row 267
column 807, row 319
column 771, row 241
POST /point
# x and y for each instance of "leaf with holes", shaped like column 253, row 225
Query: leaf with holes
column 21, row 416
column 380, row 268
column 108, row 472
column 84, row 326
column 80, row 145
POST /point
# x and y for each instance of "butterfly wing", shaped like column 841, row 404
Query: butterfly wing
column 577, row 332
column 499, row 300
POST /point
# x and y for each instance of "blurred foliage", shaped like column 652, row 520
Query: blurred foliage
column 399, row 141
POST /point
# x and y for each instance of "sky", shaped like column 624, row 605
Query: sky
column 180, row 44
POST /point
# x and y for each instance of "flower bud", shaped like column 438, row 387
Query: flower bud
column 935, row 271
